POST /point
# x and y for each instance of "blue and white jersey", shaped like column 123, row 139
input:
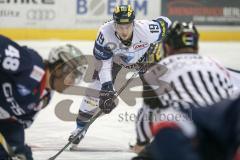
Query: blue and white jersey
column 109, row 48
column 22, row 81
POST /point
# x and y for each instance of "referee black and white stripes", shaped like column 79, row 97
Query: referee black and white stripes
column 197, row 81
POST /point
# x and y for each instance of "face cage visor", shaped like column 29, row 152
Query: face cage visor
column 67, row 74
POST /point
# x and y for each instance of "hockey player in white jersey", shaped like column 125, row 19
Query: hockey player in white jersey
column 122, row 41
column 191, row 80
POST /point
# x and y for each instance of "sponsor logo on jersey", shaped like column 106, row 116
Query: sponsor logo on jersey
column 37, row 73
column 23, row 90
column 140, row 45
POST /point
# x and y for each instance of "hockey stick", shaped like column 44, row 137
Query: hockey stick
column 92, row 119
column 6, row 146
column 79, row 133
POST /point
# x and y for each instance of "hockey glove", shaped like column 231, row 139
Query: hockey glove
column 107, row 97
column 153, row 55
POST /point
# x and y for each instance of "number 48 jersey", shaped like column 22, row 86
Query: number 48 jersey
column 22, row 81
column 109, row 48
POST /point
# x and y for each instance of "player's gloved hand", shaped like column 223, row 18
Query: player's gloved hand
column 153, row 55
column 107, row 97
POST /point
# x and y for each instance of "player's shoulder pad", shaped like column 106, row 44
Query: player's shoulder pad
column 3, row 38
column 164, row 24
column 106, row 26
column 167, row 22
column 101, row 51
column 4, row 41
column 10, row 55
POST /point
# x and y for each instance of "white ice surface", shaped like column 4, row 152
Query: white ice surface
column 48, row 133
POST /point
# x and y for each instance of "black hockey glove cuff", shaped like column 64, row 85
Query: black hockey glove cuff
column 107, row 97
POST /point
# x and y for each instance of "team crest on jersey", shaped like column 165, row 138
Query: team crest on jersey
column 127, row 58
column 37, row 73
column 139, row 46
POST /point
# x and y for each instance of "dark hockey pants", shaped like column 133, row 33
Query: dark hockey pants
column 15, row 136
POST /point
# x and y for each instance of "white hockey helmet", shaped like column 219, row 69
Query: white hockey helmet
column 64, row 62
